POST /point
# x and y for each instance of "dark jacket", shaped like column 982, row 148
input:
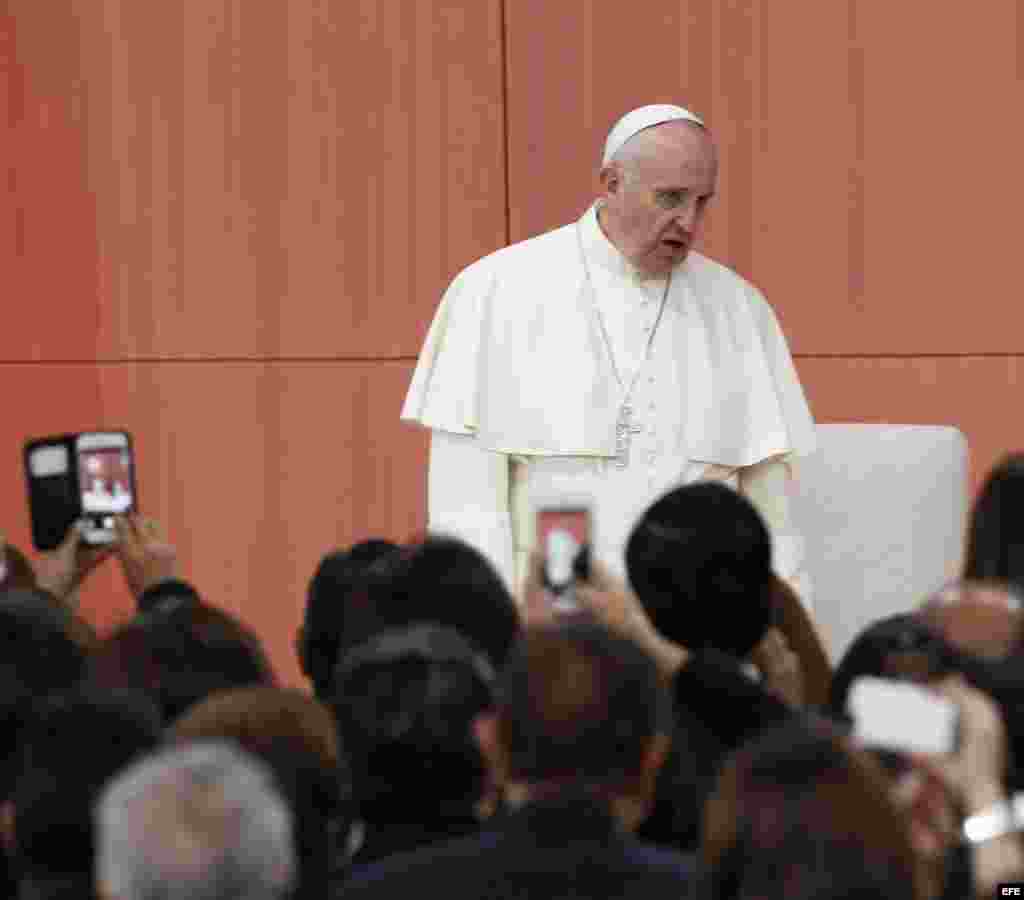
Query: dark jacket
column 560, row 849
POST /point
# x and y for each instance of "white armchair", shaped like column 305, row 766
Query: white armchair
column 883, row 509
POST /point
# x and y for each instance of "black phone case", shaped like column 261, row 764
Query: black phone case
column 55, row 501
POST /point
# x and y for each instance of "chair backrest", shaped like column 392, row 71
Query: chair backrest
column 883, row 511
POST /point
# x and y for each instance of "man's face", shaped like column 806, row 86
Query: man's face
column 654, row 201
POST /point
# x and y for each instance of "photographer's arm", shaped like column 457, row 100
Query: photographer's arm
column 468, row 497
column 63, row 570
column 767, row 484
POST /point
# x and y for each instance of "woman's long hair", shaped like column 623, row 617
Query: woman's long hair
column 995, row 536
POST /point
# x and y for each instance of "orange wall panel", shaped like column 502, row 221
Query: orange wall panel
column 248, row 180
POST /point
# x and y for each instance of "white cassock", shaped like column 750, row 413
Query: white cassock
column 523, row 374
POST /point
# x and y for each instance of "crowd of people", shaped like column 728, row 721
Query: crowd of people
column 680, row 734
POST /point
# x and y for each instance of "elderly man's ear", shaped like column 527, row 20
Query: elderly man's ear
column 610, row 179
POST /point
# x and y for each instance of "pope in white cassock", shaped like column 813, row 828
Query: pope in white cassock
column 608, row 359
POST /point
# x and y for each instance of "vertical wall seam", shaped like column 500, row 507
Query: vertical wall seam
column 506, row 137
column 856, row 221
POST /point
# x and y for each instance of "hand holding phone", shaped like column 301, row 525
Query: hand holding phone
column 146, row 556
column 61, row 571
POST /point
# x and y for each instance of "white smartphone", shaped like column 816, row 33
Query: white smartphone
column 900, row 715
column 563, row 531
column 106, row 479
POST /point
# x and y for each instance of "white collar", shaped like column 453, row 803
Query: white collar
column 602, row 252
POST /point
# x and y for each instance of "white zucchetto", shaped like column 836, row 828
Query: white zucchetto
column 639, row 119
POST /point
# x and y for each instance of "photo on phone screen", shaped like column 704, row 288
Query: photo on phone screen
column 562, row 532
column 571, row 523
column 106, row 481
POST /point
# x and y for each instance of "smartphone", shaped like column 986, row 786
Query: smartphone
column 106, row 481
column 564, row 536
column 74, row 476
column 900, row 715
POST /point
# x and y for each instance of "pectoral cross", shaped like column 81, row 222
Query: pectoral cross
column 624, row 429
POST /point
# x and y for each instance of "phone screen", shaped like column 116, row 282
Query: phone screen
column 106, row 479
column 574, row 524
column 562, row 532
column 902, row 716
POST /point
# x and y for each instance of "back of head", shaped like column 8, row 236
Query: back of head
column 74, row 743
column 336, row 595
column 797, row 814
column 700, row 560
column 577, row 703
column 200, row 822
column 447, row 582
column 17, row 574
column 405, row 702
column 180, row 653
column 37, row 658
column 294, row 735
column 995, row 536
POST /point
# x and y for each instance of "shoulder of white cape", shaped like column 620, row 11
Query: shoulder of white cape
column 532, row 267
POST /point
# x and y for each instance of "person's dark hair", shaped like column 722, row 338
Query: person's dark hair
column 405, row 702
column 995, row 535
column 295, row 734
column 334, row 597
column 180, row 652
column 445, row 581
column 700, row 560
column 37, row 658
column 578, row 703
column 796, row 815
column 16, row 571
column 74, row 743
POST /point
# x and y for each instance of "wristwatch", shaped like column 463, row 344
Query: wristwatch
column 1004, row 817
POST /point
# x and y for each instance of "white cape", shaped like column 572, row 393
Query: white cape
column 515, row 356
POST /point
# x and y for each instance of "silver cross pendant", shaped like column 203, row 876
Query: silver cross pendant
column 624, row 431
